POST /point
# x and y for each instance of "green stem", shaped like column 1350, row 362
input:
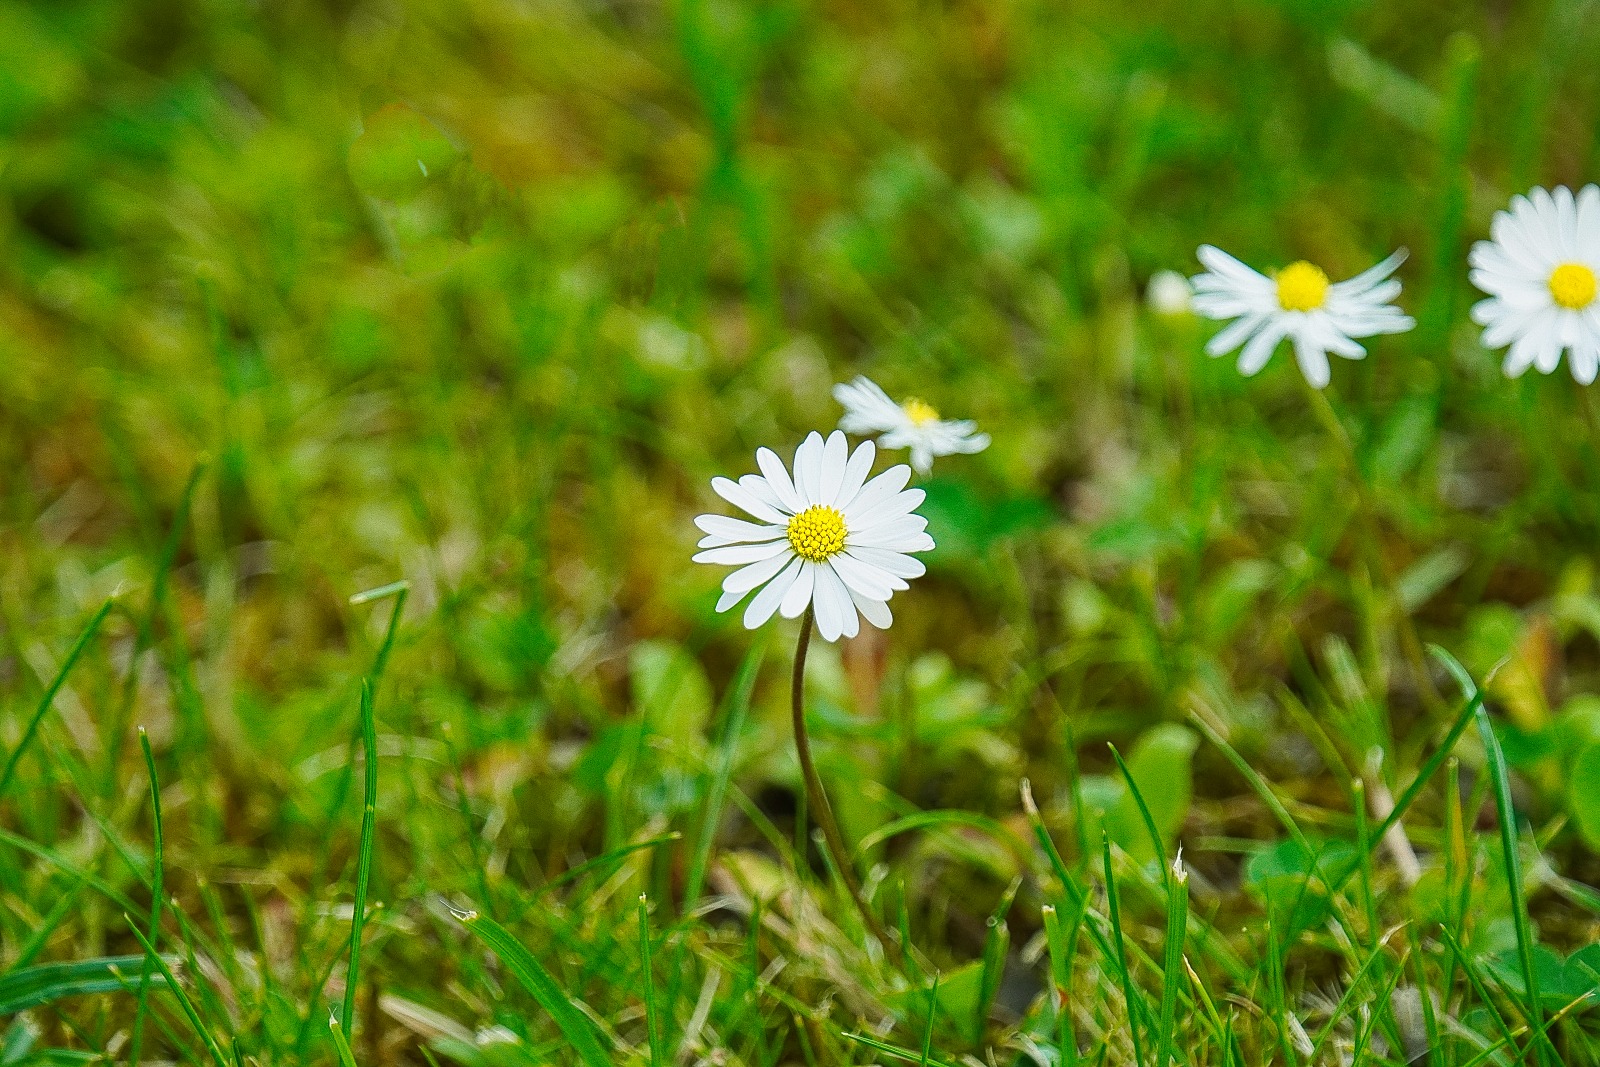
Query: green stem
column 817, row 800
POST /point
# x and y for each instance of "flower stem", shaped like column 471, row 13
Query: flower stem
column 817, row 800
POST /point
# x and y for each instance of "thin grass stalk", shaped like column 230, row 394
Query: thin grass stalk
column 184, row 1003
column 1060, row 946
column 157, row 893
column 1119, row 959
column 369, row 817
column 652, row 1011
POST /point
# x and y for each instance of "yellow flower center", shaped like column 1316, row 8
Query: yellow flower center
column 919, row 411
column 817, row 533
column 1302, row 287
column 1572, row 285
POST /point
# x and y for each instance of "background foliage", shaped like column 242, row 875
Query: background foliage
column 298, row 300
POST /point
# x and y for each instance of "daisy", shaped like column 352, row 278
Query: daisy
column 913, row 424
column 1539, row 272
column 1298, row 303
column 827, row 539
column 1169, row 293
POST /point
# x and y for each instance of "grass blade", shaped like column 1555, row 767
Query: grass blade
column 658, row 1050
column 50, row 982
column 1501, row 777
column 1172, row 969
column 540, row 985
column 49, row 697
column 340, row 1042
column 369, row 813
column 1144, row 810
column 1119, row 960
column 184, row 1002
column 157, row 891
column 738, row 709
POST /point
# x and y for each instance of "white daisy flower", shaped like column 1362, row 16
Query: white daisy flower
column 913, row 424
column 1298, row 303
column 1169, row 293
column 827, row 538
column 1540, row 273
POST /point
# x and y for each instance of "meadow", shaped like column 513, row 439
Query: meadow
column 364, row 365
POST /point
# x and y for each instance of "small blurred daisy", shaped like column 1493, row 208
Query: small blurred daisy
column 1300, row 304
column 827, row 539
column 913, row 424
column 1540, row 273
column 1169, row 293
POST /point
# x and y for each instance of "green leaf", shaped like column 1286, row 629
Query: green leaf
column 49, row 982
column 1293, row 878
column 670, row 689
column 1583, row 794
column 1160, row 766
column 541, row 985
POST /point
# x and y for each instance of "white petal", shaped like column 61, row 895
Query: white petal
column 732, row 530
column 830, row 612
column 745, row 579
column 855, row 473
column 875, row 492
column 766, row 602
column 902, row 503
column 1234, row 334
column 799, row 594
column 835, row 455
column 840, row 610
column 876, row 611
column 890, row 535
column 735, row 555
column 890, row 562
column 808, row 468
column 1259, row 350
column 778, row 480
column 741, row 497
column 1369, row 278
column 860, row 578
column 868, row 408
column 1313, row 361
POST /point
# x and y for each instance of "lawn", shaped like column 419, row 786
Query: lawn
column 365, row 368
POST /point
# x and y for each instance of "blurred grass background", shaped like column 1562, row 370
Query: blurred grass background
column 480, row 296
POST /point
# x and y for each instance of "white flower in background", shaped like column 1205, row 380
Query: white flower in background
column 1169, row 293
column 1300, row 304
column 827, row 538
column 913, row 424
column 1540, row 273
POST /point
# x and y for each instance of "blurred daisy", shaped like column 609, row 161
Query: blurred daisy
column 1299, row 303
column 1169, row 293
column 913, row 424
column 827, row 538
column 1540, row 273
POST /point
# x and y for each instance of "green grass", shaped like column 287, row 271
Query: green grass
column 365, row 366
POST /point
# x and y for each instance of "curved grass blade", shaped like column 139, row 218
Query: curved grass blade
column 540, row 985
column 177, row 991
column 49, row 697
column 1501, row 776
column 49, row 982
column 1144, row 812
